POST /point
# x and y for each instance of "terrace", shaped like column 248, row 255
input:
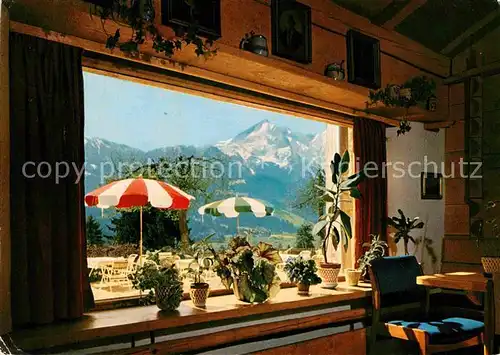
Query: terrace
column 213, row 176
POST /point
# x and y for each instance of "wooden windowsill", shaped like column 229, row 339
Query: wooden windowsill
column 136, row 320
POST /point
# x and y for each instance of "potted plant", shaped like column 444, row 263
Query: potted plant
column 163, row 284
column 404, row 226
column 376, row 250
column 303, row 273
column 487, row 233
column 249, row 271
column 335, row 223
column 199, row 290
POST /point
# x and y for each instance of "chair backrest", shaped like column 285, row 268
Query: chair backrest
column 394, row 281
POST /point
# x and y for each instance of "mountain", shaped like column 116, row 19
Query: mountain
column 265, row 162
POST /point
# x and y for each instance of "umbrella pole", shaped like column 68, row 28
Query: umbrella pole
column 140, row 240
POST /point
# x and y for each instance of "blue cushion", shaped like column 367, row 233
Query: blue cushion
column 445, row 331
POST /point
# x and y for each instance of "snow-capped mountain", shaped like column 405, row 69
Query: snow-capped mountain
column 266, row 142
column 270, row 157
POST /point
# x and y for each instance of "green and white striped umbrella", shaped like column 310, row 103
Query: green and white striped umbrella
column 232, row 207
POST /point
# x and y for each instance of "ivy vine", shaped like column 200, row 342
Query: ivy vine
column 140, row 15
column 415, row 91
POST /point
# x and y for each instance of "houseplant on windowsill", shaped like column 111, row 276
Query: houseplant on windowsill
column 249, row 271
column 303, row 273
column 163, row 283
column 376, row 250
column 335, row 225
column 202, row 252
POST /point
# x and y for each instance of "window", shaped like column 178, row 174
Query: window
column 231, row 150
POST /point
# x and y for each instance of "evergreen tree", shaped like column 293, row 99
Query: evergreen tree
column 94, row 231
column 305, row 239
column 309, row 196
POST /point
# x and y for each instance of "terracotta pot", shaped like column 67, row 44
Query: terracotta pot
column 491, row 265
column 303, row 289
column 352, row 276
column 199, row 293
column 329, row 273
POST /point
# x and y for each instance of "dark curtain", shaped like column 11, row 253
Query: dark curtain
column 49, row 265
column 371, row 208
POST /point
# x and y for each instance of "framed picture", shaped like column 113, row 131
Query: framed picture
column 363, row 60
column 204, row 13
column 431, row 186
column 291, row 30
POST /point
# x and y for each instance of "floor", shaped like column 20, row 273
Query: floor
column 399, row 347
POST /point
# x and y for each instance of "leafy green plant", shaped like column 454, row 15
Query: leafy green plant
column 302, row 271
column 250, row 271
column 334, row 219
column 165, row 280
column 486, row 230
column 417, row 91
column 376, row 250
column 403, row 227
column 140, row 16
column 202, row 252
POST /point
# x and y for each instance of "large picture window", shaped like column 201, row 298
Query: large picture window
column 210, row 149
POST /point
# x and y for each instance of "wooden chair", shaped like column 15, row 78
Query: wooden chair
column 401, row 310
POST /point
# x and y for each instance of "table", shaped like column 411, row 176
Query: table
column 465, row 281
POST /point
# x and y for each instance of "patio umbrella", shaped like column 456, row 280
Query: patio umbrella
column 137, row 193
column 233, row 206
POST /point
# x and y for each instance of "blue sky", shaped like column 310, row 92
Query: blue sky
column 147, row 117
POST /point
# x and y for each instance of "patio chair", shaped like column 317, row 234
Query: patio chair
column 401, row 310
column 116, row 273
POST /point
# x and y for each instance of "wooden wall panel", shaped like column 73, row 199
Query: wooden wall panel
column 348, row 343
column 456, row 267
column 5, row 319
column 455, row 137
column 456, row 220
column 461, row 250
column 454, row 191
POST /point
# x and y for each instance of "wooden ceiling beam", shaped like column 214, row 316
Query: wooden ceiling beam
column 469, row 34
column 406, row 11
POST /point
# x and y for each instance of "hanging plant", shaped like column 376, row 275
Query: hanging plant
column 419, row 90
column 140, row 15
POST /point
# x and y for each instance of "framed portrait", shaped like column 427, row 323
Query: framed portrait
column 291, row 30
column 431, row 186
column 204, row 13
column 363, row 60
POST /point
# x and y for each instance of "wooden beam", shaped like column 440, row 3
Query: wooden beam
column 406, row 11
column 5, row 308
column 469, row 34
column 485, row 70
column 319, row 84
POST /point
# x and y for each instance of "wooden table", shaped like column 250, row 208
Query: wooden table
column 465, row 281
column 469, row 282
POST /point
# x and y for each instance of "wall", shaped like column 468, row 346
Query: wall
column 404, row 192
column 304, row 83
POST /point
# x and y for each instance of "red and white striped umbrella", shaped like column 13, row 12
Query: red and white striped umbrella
column 137, row 193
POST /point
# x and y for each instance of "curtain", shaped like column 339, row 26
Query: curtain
column 49, row 271
column 371, row 208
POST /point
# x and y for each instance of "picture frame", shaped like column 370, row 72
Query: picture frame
column 291, row 27
column 363, row 60
column 431, row 186
column 204, row 13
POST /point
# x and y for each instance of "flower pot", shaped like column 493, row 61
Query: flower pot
column 163, row 297
column 329, row 273
column 303, row 289
column 491, row 265
column 352, row 276
column 199, row 293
